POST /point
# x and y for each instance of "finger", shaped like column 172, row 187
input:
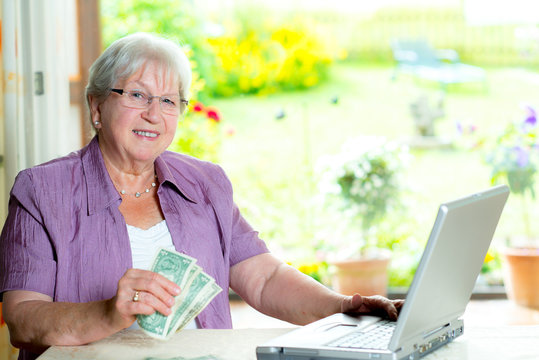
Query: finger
column 153, row 294
column 351, row 304
column 147, row 275
column 389, row 308
column 157, row 285
column 357, row 301
column 392, row 312
column 169, row 285
column 381, row 305
column 399, row 303
column 147, row 304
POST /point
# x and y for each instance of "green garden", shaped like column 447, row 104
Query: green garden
column 277, row 93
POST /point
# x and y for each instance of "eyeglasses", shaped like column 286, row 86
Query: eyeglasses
column 137, row 99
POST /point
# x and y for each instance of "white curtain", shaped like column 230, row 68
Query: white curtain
column 39, row 53
column 37, row 123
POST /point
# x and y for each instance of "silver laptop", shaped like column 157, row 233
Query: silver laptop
column 436, row 300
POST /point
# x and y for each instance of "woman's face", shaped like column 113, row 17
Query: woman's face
column 131, row 137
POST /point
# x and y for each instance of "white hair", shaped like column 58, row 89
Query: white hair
column 127, row 55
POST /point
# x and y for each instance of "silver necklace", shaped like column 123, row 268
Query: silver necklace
column 138, row 194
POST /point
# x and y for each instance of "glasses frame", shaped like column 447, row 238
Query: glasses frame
column 150, row 97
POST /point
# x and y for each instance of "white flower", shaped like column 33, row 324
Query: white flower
column 365, row 175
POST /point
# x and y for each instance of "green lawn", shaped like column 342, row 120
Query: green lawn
column 270, row 161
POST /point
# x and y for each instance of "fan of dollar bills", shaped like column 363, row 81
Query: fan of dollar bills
column 197, row 290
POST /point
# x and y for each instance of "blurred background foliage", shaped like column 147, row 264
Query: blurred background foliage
column 260, row 55
column 277, row 86
column 247, row 53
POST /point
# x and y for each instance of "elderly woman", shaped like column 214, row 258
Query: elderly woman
column 82, row 229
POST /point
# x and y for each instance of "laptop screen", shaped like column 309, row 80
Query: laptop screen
column 450, row 264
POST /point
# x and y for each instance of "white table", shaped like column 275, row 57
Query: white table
column 502, row 342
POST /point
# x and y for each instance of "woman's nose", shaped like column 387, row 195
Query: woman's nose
column 153, row 110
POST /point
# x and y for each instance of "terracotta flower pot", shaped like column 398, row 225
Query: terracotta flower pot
column 364, row 276
column 521, row 276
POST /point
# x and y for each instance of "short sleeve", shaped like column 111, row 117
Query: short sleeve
column 245, row 241
column 27, row 259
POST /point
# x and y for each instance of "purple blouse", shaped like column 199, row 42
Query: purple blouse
column 65, row 237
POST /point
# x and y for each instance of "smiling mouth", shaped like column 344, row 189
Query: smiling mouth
column 145, row 133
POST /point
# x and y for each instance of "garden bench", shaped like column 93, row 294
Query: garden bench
column 417, row 58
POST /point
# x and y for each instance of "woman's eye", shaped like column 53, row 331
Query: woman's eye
column 168, row 101
column 138, row 95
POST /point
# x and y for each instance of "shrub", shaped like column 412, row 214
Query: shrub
column 198, row 133
column 259, row 57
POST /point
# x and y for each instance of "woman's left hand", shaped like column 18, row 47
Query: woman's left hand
column 372, row 305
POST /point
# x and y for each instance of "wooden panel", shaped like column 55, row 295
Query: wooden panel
column 89, row 29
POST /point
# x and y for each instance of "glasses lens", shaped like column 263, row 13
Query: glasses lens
column 137, row 99
column 170, row 104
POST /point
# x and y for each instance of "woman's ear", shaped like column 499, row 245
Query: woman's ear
column 95, row 112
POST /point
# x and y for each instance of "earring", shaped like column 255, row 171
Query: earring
column 96, row 123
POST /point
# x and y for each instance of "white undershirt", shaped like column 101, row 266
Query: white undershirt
column 144, row 245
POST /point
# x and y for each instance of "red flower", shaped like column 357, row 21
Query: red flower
column 212, row 113
column 198, row 107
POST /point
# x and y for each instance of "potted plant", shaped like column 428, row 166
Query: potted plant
column 363, row 183
column 515, row 160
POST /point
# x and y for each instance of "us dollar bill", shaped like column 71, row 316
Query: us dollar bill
column 173, row 266
column 197, row 291
column 202, row 290
column 180, row 299
column 210, row 291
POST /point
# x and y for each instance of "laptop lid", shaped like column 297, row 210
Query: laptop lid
column 450, row 264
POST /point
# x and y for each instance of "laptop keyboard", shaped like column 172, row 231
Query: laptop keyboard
column 376, row 336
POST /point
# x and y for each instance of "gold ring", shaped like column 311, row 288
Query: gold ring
column 136, row 296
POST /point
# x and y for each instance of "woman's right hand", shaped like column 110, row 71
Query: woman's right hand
column 155, row 293
column 372, row 305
